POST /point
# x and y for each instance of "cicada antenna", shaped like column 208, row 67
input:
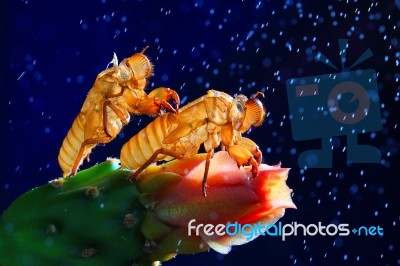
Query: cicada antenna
column 144, row 49
column 258, row 93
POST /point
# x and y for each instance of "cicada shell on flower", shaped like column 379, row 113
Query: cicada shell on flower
column 214, row 120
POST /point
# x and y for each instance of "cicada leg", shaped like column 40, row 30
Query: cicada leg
column 118, row 112
column 78, row 159
column 210, row 154
column 157, row 99
column 243, row 157
column 252, row 147
column 152, row 159
column 152, row 106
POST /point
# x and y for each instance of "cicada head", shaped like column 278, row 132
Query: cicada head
column 247, row 112
column 136, row 69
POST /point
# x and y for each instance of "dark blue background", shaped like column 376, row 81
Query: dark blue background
column 53, row 50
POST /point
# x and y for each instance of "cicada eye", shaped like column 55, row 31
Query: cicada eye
column 238, row 111
column 240, row 107
column 124, row 73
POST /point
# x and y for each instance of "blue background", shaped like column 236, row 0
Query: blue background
column 52, row 51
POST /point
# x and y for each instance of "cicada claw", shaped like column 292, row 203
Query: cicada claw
column 166, row 95
column 130, row 177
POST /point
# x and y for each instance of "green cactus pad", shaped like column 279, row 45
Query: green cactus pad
column 91, row 219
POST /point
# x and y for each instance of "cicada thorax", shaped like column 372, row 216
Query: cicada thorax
column 131, row 99
column 189, row 145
